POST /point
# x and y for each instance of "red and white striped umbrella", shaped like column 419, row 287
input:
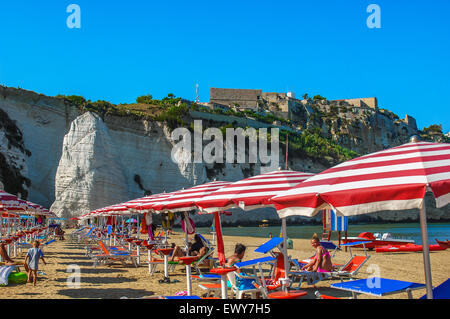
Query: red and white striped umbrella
column 10, row 201
column 392, row 179
column 184, row 200
column 251, row 193
column 143, row 205
column 113, row 210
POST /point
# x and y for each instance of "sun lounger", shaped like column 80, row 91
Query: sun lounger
column 250, row 279
column 121, row 256
column 258, row 280
column 206, row 277
column 441, row 292
column 347, row 271
column 213, row 288
column 377, row 287
column 181, row 297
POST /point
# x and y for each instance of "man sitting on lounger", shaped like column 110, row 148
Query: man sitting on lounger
column 195, row 249
column 321, row 262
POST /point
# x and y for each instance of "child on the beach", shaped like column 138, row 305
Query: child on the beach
column 32, row 261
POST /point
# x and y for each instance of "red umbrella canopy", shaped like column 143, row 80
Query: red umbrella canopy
column 392, row 179
column 251, row 193
column 184, row 200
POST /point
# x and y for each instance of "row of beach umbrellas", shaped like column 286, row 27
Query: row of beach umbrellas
column 12, row 204
column 392, row 179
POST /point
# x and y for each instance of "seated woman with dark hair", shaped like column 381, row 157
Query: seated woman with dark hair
column 239, row 252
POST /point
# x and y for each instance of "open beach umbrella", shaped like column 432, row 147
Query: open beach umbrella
column 143, row 205
column 11, row 201
column 184, row 201
column 254, row 192
column 392, row 179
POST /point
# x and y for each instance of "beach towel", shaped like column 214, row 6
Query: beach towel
column 4, row 274
column 187, row 224
column 144, row 227
column 150, row 232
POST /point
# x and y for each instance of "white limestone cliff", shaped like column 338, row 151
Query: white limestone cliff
column 90, row 174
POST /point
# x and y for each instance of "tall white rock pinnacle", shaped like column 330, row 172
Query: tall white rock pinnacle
column 90, row 174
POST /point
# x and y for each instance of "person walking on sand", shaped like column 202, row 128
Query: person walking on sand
column 32, row 261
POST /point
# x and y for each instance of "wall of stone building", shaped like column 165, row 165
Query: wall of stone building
column 410, row 121
column 246, row 98
column 371, row 102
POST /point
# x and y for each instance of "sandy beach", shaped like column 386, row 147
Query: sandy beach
column 119, row 281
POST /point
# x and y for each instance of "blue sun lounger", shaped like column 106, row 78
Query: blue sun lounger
column 181, row 297
column 376, row 286
column 441, row 292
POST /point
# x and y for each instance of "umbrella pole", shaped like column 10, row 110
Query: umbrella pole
column 285, row 253
column 426, row 251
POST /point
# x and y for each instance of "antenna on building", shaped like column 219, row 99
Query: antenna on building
column 196, row 94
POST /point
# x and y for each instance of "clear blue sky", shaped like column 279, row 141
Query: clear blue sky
column 129, row 48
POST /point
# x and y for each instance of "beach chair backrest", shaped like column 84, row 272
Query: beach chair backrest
column 279, row 271
column 90, row 231
column 102, row 246
column 269, row 245
column 205, row 241
column 354, row 264
column 208, row 254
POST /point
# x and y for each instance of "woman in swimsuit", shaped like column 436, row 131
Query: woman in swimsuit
column 239, row 252
column 322, row 260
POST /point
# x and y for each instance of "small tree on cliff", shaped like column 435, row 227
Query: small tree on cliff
column 318, row 98
column 433, row 129
column 145, row 99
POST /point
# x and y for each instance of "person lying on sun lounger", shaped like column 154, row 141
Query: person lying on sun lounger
column 4, row 253
column 197, row 248
column 322, row 260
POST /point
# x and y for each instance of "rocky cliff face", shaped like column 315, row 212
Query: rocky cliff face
column 361, row 129
column 89, row 173
column 13, row 155
column 77, row 162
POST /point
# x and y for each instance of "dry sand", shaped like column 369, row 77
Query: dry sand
column 119, row 281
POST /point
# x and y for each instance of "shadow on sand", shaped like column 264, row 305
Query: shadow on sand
column 110, row 293
column 101, row 280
